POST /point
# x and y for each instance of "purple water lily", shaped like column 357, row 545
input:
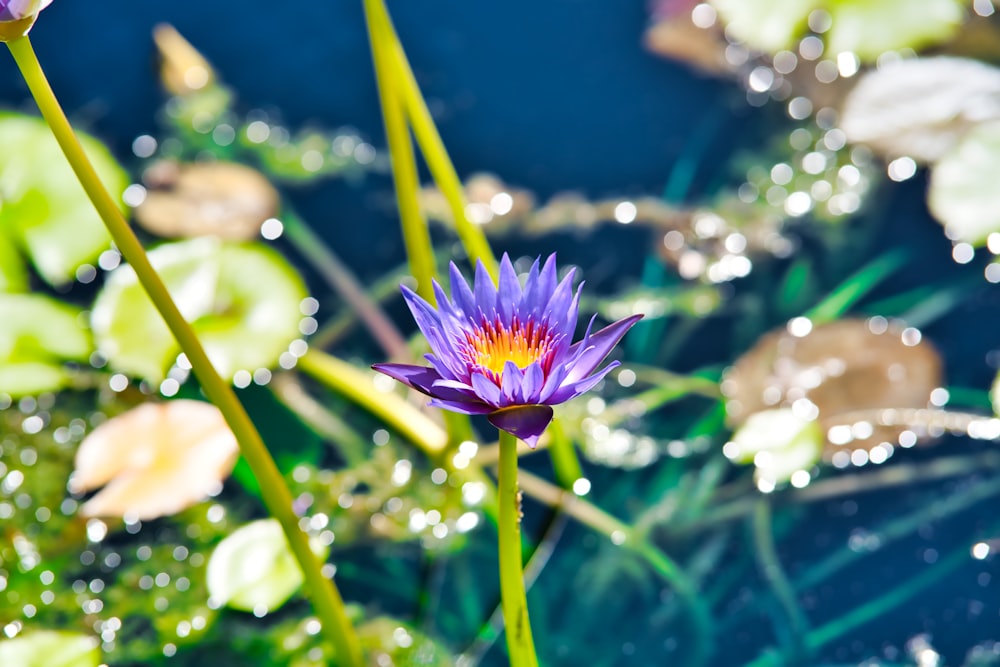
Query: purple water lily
column 15, row 10
column 507, row 353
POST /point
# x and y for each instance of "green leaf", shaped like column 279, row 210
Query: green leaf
column 43, row 208
column 48, row 648
column 241, row 298
column 38, row 336
column 778, row 442
column 963, row 192
column 395, row 643
column 765, row 25
column 13, row 273
column 869, row 28
column 254, row 569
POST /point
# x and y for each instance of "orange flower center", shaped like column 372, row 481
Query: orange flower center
column 492, row 345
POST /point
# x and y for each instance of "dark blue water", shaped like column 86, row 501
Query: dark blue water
column 551, row 96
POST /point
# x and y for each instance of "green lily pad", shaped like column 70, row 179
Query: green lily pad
column 43, row 208
column 778, row 442
column 393, row 642
column 765, row 25
column 13, row 273
column 241, row 298
column 48, row 648
column 867, row 28
column 253, row 569
column 963, row 194
column 38, row 336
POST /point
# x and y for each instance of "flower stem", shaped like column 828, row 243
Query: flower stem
column 514, row 601
column 431, row 146
column 416, row 235
column 339, row 276
column 356, row 385
column 328, row 604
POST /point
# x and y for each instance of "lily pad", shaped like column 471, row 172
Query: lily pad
column 963, row 191
column 254, row 569
column 43, row 207
column 392, row 642
column 49, row 648
column 13, row 273
column 867, row 28
column 39, row 335
column 241, row 298
column 921, row 107
column 156, row 459
column 778, row 442
column 764, row 24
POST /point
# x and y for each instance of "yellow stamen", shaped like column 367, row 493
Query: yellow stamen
column 492, row 345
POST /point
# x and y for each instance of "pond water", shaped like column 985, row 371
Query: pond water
column 561, row 96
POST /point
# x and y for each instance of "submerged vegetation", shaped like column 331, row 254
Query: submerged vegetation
column 785, row 462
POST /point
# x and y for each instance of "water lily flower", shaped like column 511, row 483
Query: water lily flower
column 507, row 352
column 17, row 17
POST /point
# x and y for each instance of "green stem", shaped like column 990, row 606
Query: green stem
column 636, row 542
column 356, row 386
column 416, row 235
column 770, row 568
column 565, row 462
column 326, row 598
column 514, row 601
column 336, row 273
column 432, row 147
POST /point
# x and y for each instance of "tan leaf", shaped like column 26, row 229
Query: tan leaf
column 155, row 459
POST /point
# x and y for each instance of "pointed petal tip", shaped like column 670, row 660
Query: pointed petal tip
column 526, row 422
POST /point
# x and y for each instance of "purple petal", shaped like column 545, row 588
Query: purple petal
column 486, row 389
column 15, row 10
column 420, row 378
column 543, row 287
column 509, row 295
column 485, row 291
column 526, row 422
column 556, row 309
column 465, row 408
column 428, row 381
column 592, row 350
column 571, row 390
column 532, row 383
column 510, row 384
column 461, row 293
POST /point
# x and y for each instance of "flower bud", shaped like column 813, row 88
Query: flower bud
column 17, row 17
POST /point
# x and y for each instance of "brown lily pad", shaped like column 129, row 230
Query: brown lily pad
column 221, row 199
column 859, row 378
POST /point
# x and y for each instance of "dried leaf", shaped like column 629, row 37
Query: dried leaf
column 155, row 459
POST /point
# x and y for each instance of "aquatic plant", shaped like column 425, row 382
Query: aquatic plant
column 809, row 483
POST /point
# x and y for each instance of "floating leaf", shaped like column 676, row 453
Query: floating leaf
column 38, row 336
column 221, row 199
column 391, row 642
column 963, row 192
column 156, row 459
column 13, row 273
column 778, row 442
column 253, row 569
column 48, row 648
column 42, row 205
column 765, row 25
column 921, row 107
column 867, row 28
column 828, row 372
column 241, row 298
